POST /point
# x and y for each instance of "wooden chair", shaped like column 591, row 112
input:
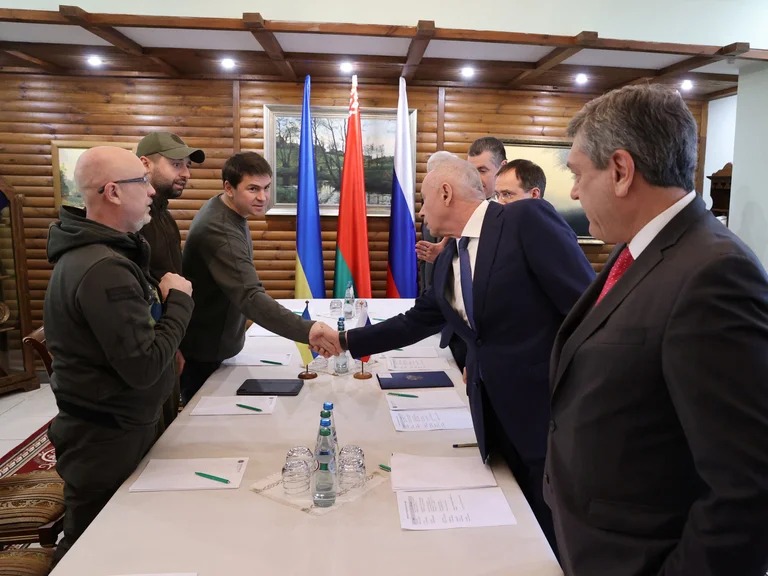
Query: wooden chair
column 31, row 508
column 32, row 504
column 30, row 562
column 35, row 340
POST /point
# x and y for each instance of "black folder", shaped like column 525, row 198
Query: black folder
column 401, row 380
column 270, row 387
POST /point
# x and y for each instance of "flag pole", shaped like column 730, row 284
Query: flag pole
column 307, row 374
column 362, row 375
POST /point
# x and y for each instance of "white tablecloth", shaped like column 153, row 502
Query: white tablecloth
column 239, row 532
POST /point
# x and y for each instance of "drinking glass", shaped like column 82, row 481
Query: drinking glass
column 352, row 450
column 351, row 472
column 296, row 476
column 359, row 305
column 336, row 306
column 300, row 453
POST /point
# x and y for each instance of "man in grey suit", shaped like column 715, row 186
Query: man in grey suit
column 657, row 460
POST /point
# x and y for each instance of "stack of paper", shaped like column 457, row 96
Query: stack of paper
column 413, row 352
column 439, row 472
column 424, row 400
column 248, row 358
column 426, row 420
column 435, row 493
column 190, row 474
column 421, row 410
column 234, row 405
column 416, row 364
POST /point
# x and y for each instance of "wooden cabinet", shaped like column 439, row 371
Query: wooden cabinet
column 721, row 190
column 17, row 366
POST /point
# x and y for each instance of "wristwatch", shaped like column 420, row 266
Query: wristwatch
column 343, row 340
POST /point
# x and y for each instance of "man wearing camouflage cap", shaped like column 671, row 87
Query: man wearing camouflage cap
column 167, row 159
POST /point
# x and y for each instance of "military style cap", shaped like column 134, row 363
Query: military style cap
column 168, row 145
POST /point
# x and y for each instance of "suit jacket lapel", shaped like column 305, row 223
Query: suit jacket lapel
column 585, row 317
column 486, row 252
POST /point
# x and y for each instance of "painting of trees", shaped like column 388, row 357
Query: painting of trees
column 329, row 132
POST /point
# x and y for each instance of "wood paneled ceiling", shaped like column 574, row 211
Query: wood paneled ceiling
column 35, row 41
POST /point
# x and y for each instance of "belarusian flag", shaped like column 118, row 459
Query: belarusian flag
column 352, row 259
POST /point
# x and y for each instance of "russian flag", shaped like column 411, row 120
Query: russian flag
column 310, row 280
column 401, row 266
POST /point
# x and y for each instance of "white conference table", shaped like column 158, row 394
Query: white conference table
column 239, row 532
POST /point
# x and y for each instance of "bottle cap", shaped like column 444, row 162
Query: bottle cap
column 325, row 414
column 325, row 422
column 327, row 405
column 325, row 432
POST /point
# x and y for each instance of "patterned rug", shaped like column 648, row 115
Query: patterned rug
column 35, row 453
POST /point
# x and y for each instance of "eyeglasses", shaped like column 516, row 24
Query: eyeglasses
column 143, row 179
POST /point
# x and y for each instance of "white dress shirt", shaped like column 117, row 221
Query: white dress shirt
column 471, row 229
column 651, row 230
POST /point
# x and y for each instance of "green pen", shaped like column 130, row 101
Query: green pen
column 385, row 468
column 212, row 477
column 401, row 394
column 249, row 407
column 379, row 319
column 271, row 362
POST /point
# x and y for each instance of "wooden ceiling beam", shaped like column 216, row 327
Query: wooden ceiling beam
column 555, row 57
column 78, row 16
column 425, row 31
column 674, row 70
column 42, row 64
column 722, row 93
column 257, row 26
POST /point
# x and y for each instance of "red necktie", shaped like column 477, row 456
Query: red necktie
column 617, row 271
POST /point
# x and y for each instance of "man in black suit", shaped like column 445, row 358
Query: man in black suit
column 658, row 448
column 503, row 284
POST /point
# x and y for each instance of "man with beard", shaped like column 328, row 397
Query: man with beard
column 167, row 160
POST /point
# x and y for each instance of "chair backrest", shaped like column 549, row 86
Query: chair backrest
column 36, row 341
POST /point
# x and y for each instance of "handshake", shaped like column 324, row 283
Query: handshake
column 324, row 340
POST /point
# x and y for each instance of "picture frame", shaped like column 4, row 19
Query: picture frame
column 552, row 158
column 64, row 156
column 282, row 128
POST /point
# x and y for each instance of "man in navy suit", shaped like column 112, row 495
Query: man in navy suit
column 658, row 450
column 522, row 272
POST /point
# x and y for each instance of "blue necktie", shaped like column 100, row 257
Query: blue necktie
column 466, row 280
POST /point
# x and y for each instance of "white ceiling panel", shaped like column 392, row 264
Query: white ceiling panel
column 339, row 44
column 458, row 50
column 193, row 39
column 648, row 60
column 48, row 34
column 721, row 67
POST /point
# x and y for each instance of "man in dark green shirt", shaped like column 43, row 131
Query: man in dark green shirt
column 218, row 260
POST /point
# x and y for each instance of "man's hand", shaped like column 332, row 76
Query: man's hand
column 179, row 362
column 429, row 251
column 324, row 340
column 174, row 281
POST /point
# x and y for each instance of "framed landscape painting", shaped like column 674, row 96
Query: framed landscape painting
column 64, row 155
column 282, row 128
column 552, row 159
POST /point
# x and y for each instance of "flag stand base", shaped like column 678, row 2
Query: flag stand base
column 362, row 375
column 307, row 375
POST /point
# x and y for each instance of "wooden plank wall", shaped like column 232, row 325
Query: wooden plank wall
column 224, row 116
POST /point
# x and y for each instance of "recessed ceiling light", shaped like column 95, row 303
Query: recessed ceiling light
column 227, row 63
column 95, row 61
column 686, row 85
column 581, row 79
column 346, row 67
column 467, row 72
